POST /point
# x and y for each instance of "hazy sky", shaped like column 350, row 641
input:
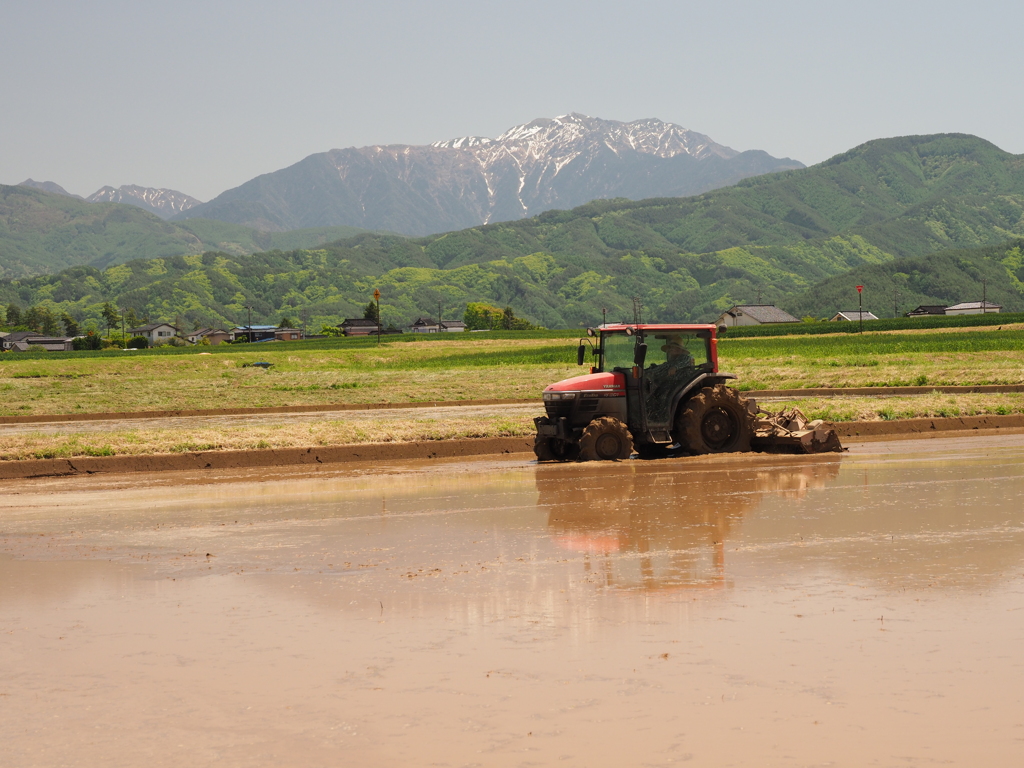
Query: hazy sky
column 202, row 96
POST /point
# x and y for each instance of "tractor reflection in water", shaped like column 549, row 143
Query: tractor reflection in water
column 650, row 527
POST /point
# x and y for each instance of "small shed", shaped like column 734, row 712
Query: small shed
column 852, row 315
column 453, row 326
column 754, row 314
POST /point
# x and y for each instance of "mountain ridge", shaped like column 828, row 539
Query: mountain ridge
column 44, row 232
column 453, row 184
column 794, row 237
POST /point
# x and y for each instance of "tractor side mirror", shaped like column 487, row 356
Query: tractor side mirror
column 639, row 355
column 581, row 351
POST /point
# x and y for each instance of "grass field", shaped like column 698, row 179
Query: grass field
column 469, row 367
column 459, row 368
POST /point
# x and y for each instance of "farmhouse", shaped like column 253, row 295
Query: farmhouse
column 358, row 326
column 23, row 341
column 254, row 332
column 754, row 314
column 853, row 316
column 974, row 308
column 927, row 309
column 214, row 335
column 424, row 325
column 155, row 333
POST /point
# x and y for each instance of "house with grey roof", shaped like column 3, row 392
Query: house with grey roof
column 754, row 314
column 25, row 341
column 974, row 308
column 852, row 316
column 358, row 326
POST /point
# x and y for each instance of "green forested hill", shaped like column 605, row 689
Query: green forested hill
column 946, row 278
column 855, row 218
column 42, row 232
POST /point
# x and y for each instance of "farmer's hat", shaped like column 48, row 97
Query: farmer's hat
column 673, row 341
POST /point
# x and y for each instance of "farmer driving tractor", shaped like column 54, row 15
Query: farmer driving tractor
column 663, row 377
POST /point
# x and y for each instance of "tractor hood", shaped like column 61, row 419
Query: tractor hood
column 604, row 383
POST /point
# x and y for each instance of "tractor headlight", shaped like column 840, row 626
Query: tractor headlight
column 556, row 396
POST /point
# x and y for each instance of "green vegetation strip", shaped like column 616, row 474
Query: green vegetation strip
column 469, row 367
column 874, row 344
column 869, row 326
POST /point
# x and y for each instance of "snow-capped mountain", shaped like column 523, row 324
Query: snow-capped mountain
column 165, row 203
column 548, row 163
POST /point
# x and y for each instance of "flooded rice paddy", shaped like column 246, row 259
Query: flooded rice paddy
column 856, row 610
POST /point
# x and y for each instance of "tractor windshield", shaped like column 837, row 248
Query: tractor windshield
column 618, row 351
column 688, row 350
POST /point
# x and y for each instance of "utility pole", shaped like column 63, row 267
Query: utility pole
column 376, row 297
column 604, row 316
column 758, row 295
column 248, row 329
column 984, row 297
column 124, row 341
column 895, row 306
column 438, row 315
column 860, row 304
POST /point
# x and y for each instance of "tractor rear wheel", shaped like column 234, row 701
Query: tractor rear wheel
column 605, row 439
column 549, row 449
column 715, row 420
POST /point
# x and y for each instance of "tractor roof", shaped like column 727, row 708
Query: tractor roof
column 658, row 327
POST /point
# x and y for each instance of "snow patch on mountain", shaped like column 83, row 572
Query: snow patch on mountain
column 165, row 203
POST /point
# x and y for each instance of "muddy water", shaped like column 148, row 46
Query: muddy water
column 858, row 610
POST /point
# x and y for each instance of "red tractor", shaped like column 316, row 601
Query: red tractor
column 653, row 401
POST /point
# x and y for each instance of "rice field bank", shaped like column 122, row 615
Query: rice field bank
column 469, row 367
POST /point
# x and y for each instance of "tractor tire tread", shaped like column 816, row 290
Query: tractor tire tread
column 590, row 450
column 690, row 420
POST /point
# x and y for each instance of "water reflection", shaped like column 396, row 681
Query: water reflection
column 664, row 526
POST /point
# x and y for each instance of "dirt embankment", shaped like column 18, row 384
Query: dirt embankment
column 270, row 458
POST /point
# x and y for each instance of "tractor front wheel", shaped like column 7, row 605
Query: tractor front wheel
column 715, row 420
column 550, row 449
column 605, row 439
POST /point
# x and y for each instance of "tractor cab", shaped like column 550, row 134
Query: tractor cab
column 633, row 396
